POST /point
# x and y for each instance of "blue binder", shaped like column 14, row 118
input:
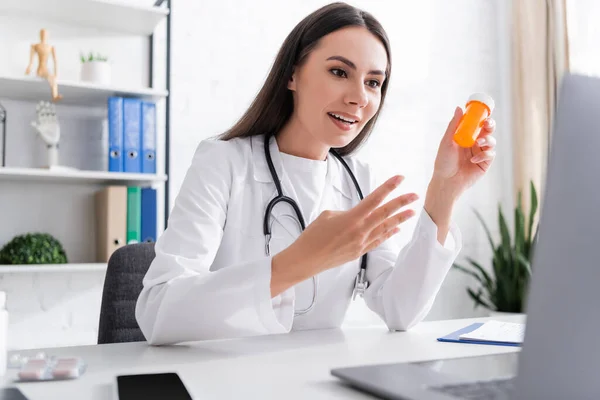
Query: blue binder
column 115, row 134
column 132, row 112
column 148, row 215
column 148, row 137
column 454, row 337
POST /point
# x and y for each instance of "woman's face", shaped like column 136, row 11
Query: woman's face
column 337, row 89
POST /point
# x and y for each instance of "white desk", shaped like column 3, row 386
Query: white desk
column 292, row 366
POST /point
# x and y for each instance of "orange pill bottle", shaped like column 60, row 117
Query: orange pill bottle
column 479, row 107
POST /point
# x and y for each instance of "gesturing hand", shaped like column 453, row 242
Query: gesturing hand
column 337, row 237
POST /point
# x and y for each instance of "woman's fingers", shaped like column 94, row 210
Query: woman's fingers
column 379, row 222
column 489, row 125
column 453, row 124
column 388, row 229
column 388, row 209
column 372, row 201
column 382, row 238
column 390, row 223
column 487, row 155
column 486, row 142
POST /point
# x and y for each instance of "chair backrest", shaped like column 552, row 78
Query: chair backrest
column 126, row 269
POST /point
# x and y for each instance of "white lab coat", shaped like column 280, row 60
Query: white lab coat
column 211, row 277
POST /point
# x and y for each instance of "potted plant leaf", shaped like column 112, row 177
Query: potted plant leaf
column 504, row 288
column 95, row 68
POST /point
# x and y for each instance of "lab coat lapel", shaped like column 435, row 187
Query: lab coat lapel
column 330, row 198
column 338, row 192
column 281, row 211
column 343, row 193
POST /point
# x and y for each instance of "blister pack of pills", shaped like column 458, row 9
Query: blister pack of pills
column 50, row 369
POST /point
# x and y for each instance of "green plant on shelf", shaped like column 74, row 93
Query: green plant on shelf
column 93, row 57
column 33, row 248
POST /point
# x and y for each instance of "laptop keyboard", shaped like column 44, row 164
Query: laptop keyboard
column 484, row 390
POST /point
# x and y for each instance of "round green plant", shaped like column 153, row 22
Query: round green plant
column 33, row 248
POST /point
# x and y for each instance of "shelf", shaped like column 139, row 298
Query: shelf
column 29, row 268
column 80, row 93
column 77, row 176
column 102, row 14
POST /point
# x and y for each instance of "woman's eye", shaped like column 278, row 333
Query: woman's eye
column 373, row 83
column 338, row 72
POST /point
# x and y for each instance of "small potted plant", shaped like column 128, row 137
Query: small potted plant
column 33, row 248
column 504, row 288
column 95, row 68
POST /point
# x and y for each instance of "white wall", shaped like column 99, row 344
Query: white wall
column 221, row 53
column 52, row 308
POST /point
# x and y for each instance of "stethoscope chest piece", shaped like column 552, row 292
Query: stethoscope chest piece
column 360, row 284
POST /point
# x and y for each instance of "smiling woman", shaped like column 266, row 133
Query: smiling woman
column 270, row 231
column 336, row 91
column 326, row 87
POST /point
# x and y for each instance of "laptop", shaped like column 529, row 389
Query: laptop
column 560, row 355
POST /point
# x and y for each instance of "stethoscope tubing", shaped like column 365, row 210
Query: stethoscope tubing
column 360, row 283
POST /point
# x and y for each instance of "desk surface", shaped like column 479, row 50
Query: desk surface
column 289, row 366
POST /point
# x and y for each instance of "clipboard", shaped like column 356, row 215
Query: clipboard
column 454, row 337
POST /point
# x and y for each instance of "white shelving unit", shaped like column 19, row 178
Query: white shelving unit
column 80, row 93
column 76, row 176
column 26, row 268
column 101, row 14
column 104, row 15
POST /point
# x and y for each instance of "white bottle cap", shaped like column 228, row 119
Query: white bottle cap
column 484, row 98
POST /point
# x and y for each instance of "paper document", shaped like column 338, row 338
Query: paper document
column 497, row 331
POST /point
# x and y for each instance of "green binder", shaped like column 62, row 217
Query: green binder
column 134, row 214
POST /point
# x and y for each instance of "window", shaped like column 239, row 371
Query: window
column 584, row 36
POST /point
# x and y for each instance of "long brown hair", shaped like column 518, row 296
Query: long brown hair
column 274, row 104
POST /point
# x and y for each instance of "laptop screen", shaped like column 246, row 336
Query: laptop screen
column 476, row 368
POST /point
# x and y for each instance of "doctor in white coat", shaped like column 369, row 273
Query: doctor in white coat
column 217, row 275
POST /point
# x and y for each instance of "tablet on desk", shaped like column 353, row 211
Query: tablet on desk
column 151, row 387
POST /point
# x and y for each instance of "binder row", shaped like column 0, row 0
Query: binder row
column 124, row 215
column 131, row 135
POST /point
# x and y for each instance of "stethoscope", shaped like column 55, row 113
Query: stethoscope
column 360, row 283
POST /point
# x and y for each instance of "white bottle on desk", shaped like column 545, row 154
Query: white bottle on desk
column 3, row 333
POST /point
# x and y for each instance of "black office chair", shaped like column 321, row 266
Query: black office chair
column 122, row 286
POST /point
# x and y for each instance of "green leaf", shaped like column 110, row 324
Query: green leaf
column 478, row 300
column 520, row 244
column 498, row 262
column 532, row 211
column 502, row 269
column 469, row 272
column 487, row 231
column 488, row 280
column 506, row 246
column 524, row 263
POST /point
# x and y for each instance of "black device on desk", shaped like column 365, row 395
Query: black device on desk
column 11, row 393
column 151, row 387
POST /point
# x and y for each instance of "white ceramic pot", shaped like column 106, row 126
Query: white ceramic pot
column 96, row 72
